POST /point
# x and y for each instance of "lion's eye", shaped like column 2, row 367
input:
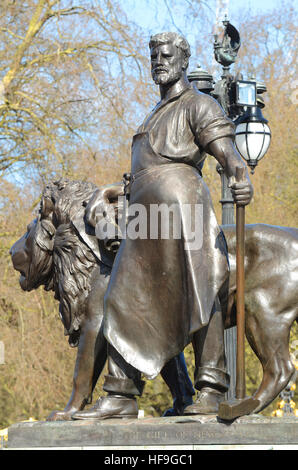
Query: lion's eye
column 29, row 226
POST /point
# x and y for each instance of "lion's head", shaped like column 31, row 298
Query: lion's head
column 32, row 254
column 52, row 253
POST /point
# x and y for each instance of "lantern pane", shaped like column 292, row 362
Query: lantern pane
column 241, row 128
column 246, row 93
column 266, row 145
column 240, row 141
column 255, row 143
column 255, row 127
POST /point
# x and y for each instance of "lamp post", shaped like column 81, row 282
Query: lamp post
column 242, row 102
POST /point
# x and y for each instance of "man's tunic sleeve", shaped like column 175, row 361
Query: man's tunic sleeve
column 208, row 121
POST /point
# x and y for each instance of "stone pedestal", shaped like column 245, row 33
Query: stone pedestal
column 156, row 433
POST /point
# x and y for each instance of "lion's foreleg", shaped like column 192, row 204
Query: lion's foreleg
column 91, row 358
column 92, row 351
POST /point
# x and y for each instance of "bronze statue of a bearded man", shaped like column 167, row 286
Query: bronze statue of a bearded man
column 163, row 292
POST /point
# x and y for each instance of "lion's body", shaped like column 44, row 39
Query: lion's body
column 79, row 277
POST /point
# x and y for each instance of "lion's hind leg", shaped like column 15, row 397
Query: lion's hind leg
column 268, row 335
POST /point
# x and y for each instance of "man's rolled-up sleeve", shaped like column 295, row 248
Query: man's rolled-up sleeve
column 209, row 122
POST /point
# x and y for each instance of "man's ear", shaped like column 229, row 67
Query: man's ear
column 185, row 63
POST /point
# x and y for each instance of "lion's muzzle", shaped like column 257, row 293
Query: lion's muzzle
column 21, row 259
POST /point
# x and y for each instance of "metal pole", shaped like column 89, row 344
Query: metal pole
column 240, row 235
column 230, row 335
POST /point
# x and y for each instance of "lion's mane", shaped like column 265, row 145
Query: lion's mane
column 73, row 264
column 72, row 260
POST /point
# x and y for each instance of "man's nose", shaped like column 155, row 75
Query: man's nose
column 159, row 58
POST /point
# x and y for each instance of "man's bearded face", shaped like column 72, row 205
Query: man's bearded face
column 167, row 63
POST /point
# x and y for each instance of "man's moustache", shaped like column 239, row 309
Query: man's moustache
column 159, row 70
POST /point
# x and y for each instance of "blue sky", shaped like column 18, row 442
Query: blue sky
column 153, row 15
column 144, row 11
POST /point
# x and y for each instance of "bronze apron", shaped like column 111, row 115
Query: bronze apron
column 160, row 292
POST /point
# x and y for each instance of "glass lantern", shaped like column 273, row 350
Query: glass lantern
column 252, row 136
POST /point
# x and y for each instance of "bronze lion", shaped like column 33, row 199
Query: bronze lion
column 60, row 251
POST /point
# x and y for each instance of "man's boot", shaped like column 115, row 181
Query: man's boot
column 207, row 402
column 211, row 378
column 123, row 384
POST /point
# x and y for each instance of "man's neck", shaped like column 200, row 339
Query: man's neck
column 172, row 89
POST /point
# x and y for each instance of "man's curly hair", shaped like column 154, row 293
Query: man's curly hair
column 171, row 37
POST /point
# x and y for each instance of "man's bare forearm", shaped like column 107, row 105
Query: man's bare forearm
column 226, row 154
